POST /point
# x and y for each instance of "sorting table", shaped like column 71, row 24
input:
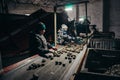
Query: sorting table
column 62, row 67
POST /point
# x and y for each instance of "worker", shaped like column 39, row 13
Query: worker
column 38, row 43
column 93, row 31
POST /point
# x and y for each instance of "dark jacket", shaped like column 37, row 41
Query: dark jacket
column 39, row 44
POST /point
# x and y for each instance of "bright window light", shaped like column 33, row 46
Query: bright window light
column 81, row 19
column 69, row 7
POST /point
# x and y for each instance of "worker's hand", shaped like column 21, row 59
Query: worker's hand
column 54, row 48
column 51, row 50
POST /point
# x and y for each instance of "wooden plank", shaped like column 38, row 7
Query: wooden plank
column 76, row 65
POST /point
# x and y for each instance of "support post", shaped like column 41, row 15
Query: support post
column 77, row 12
column 55, row 24
column 0, row 63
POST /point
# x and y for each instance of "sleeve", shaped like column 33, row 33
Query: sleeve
column 37, row 45
column 49, row 45
column 40, row 48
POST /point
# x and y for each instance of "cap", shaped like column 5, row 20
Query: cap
column 41, row 26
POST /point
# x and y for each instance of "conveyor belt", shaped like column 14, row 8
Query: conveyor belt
column 57, row 69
